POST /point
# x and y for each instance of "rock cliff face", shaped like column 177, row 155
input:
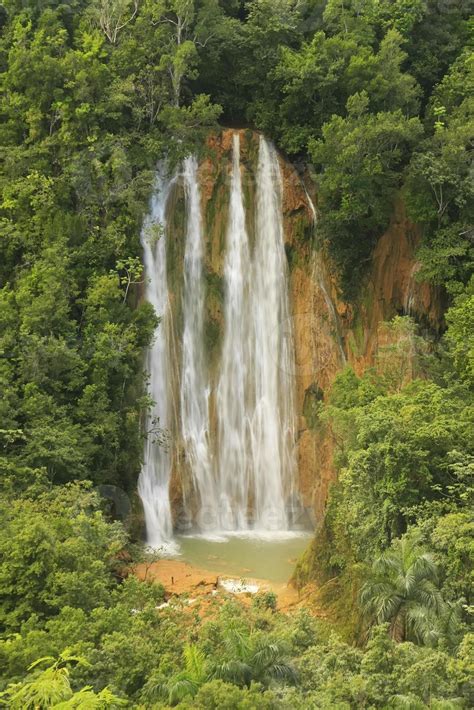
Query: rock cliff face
column 329, row 333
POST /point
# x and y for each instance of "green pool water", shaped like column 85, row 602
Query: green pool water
column 271, row 559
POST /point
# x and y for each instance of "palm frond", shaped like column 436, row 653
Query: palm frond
column 265, row 654
column 403, row 589
column 195, row 662
column 406, row 702
column 233, row 671
column 180, row 687
column 283, row 672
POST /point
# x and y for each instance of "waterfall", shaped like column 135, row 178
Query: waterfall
column 255, row 403
column 195, row 389
column 232, row 397
column 272, row 419
column 241, row 463
column 410, row 295
column 154, row 478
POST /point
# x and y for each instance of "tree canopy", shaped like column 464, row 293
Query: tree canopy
column 374, row 99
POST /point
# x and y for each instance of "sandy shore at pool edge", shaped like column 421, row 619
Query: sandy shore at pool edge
column 179, row 578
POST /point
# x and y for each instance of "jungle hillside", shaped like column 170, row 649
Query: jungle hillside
column 372, row 101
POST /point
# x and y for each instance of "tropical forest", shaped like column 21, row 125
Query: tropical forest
column 237, row 354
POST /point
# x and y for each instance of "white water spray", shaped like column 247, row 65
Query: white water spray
column 195, row 388
column 272, row 422
column 410, row 297
column 243, row 469
column 255, row 403
column 232, row 391
column 154, row 478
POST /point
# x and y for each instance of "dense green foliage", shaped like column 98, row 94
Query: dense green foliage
column 85, row 116
column 117, row 645
column 378, row 94
column 93, row 94
column 399, row 530
column 375, row 98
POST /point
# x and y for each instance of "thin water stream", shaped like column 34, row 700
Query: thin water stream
column 153, row 484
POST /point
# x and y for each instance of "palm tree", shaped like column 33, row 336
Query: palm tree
column 51, row 688
column 248, row 657
column 252, row 658
column 185, row 683
column 403, row 589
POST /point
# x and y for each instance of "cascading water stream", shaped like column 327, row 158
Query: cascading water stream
column 410, row 297
column 154, row 478
column 255, row 403
column 319, row 277
column 232, row 395
column 272, row 420
column 195, row 388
